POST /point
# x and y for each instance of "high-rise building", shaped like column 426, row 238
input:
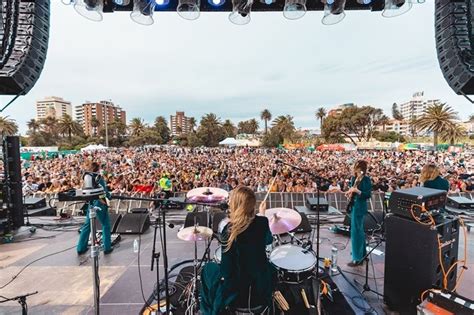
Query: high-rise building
column 415, row 107
column 52, row 106
column 338, row 109
column 94, row 115
column 180, row 124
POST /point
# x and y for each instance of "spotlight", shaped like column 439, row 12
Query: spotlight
column 122, row 2
column 240, row 14
column 188, row 9
column 143, row 12
column 333, row 11
column 294, row 9
column 395, row 8
column 216, row 3
column 364, row 2
column 90, row 9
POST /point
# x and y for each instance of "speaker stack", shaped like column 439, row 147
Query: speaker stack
column 12, row 192
column 23, row 44
column 455, row 43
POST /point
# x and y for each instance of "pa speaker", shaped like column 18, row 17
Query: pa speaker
column 25, row 37
column 13, row 189
column 115, row 219
column 454, row 32
column 133, row 223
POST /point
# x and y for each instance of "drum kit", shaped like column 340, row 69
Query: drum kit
column 294, row 262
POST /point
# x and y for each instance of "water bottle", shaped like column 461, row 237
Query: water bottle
column 333, row 260
column 135, row 246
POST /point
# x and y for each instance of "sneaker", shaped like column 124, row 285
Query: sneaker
column 81, row 252
column 106, row 252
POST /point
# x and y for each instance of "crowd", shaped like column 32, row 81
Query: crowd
column 139, row 170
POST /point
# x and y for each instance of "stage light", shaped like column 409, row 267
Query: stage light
column 122, row 2
column 161, row 3
column 216, row 3
column 240, row 14
column 90, row 9
column 364, row 2
column 333, row 12
column 294, row 9
column 143, row 12
column 188, row 9
column 395, row 8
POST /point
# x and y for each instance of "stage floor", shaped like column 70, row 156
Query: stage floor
column 64, row 280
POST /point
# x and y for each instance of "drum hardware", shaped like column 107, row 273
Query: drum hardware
column 293, row 263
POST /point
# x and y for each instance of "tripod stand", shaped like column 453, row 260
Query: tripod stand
column 22, row 300
column 366, row 287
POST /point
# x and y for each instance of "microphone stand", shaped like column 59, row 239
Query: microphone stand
column 22, row 300
column 155, row 256
column 317, row 179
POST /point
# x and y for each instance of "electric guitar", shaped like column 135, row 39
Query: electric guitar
column 350, row 204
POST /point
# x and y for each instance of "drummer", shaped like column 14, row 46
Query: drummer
column 244, row 277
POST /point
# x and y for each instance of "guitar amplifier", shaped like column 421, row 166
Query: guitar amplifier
column 461, row 203
column 402, row 201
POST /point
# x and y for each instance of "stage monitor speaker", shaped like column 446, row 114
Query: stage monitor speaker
column 372, row 221
column 25, row 37
column 133, row 223
column 115, row 219
column 412, row 262
column 13, row 189
column 313, row 204
column 454, row 33
column 34, row 203
column 305, row 226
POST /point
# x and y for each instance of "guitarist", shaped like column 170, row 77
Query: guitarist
column 360, row 191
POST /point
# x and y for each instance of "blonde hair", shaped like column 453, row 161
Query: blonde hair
column 429, row 172
column 242, row 212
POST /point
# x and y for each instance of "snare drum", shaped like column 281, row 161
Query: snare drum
column 293, row 263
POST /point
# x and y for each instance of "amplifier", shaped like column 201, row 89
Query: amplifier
column 439, row 302
column 460, row 203
column 401, row 201
column 312, row 204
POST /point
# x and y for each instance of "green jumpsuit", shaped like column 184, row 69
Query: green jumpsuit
column 359, row 211
column 103, row 216
column 437, row 183
column 244, row 277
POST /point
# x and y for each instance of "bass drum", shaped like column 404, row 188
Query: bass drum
column 293, row 263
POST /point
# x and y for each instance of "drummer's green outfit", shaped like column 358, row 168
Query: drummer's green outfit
column 244, row 271
column 437, row 183
column 359, row 211
column 103, row 216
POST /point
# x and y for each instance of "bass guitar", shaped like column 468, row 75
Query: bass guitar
column 350, row 204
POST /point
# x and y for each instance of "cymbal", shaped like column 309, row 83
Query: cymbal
column 195, row 233
column 282, row 220
column 207, row 195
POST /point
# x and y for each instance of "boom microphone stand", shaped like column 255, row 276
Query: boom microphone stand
column 366, row 287
column 155, row 256
column 318, row 180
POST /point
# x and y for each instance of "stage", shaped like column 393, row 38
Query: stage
column 64, row 280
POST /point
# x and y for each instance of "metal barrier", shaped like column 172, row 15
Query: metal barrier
column 275, row 200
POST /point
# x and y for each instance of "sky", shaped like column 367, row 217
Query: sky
column 211, row 65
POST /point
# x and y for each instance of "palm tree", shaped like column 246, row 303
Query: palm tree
column 229, row 129
column 161, row 126
column 266, row 116
column 192, row 123
column 210, row 130
column 383, row 120
column 68, row 126
column 8, row 127
column 95, row 123
column 320, row 114
column 453, row 134
column 50, row 126
column 437, row 118
column 137, row 127
column 33, row 125
column 284, row 126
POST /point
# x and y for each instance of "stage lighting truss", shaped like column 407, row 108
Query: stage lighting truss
column 334, row 10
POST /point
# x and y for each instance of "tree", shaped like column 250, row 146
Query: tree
column 229, row 128
column 68, row 126
column 266, row 116
column 396, row 112
column 117, row 130
column 437, row 118
column 136, row 126
column 210, row 130
column 384, row 120
column 453, row 134
column 284, row 127
column 95, row 123
column 248, row 126
column 390, row 136
column 193, row 140
column 320, row 114
column 33, row 126
column 272, row 138
column 50, row 126
column 192, row 123
column 161, row 126
column 8, row 127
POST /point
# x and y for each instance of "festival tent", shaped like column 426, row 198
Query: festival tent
column 93, row 147
column 230, row 142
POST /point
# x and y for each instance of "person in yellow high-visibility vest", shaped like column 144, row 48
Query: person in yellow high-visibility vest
column 165, row 185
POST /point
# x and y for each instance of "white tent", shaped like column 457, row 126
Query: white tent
column 93, row 147
column 230, row 142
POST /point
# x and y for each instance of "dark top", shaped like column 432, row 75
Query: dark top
column 246, row 265
column 437, row 183
column 360, row 201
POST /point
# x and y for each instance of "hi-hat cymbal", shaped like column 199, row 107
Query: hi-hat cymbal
column 282, row 220
column 195, row 233
column 207, row 195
